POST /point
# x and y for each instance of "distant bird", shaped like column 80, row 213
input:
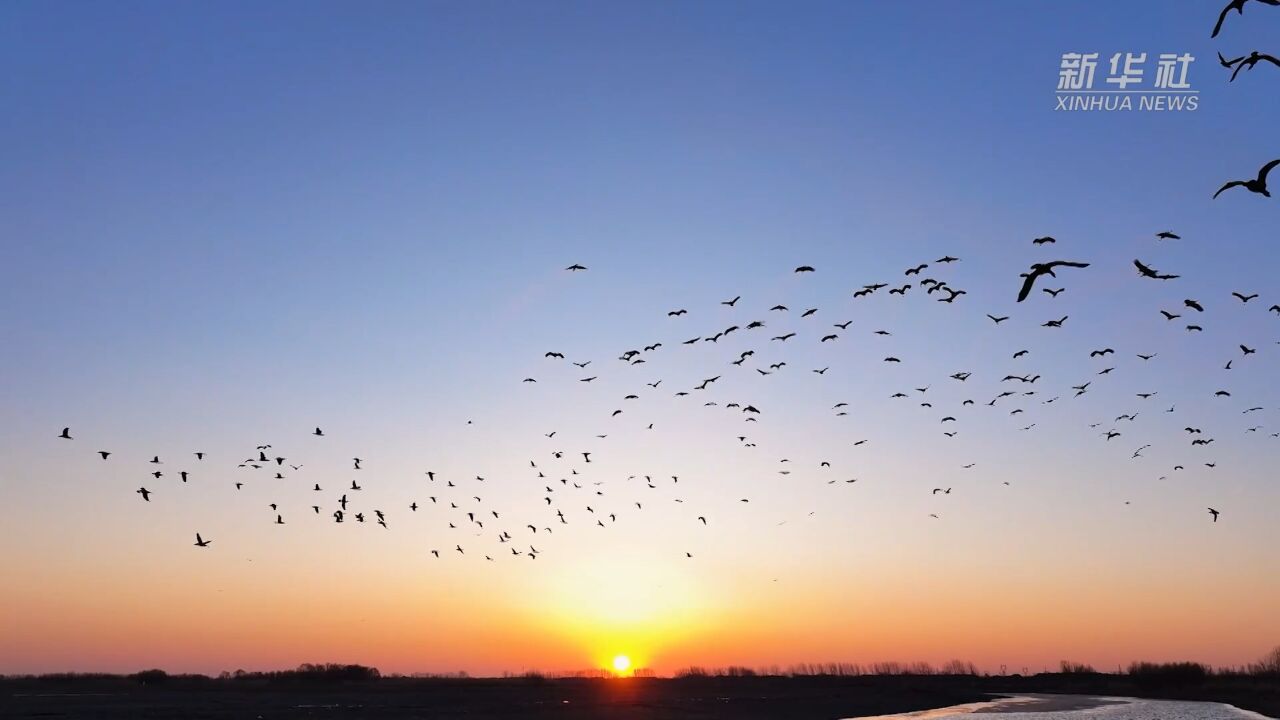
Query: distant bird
column 1214, row 513
column 1193, row 305
column 1046, row 240
column 677, row 313
column 104, row 454
column 1055, row 323
column 201, row 542
column 1051, row 292
column 1245, row 298
column 318, row 433
column 145, row 493
column 1166, row 235
column 804, row 268
column 732, row 302
column 575, row 268
column 66, row 433
column 998, row 320
column 1255, row 185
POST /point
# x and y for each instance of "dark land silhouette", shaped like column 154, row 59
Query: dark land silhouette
column 805, row 691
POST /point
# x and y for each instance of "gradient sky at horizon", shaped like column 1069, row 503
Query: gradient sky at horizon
column 225, row 224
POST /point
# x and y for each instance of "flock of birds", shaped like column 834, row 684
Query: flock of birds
column 568, row 496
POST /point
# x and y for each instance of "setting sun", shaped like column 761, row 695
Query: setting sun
column 621, row 664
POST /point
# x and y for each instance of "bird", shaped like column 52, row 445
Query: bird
column 201, row 542
column 145, row 493
column 1256, row 185
column 1046, row 240
column 66, row 433
column 677, row 313
column 1055, row 323
column 318, row 433
column 1193, row 305
column 1167, row 235
column 1244, row 298
column 576, row 268
column 1248, row 62
column 1214, row 513
column 104, row 453
column 1238, row 6
column 804, row 269
column 732, row 302
column 1150, row 272
column 998, row 320
column 1038, row 269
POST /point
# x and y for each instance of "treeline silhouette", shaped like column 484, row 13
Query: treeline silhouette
column 833, row 669
column 1143, row 673
column 872, row 688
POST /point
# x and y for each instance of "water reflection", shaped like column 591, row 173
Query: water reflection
column 1081, row 707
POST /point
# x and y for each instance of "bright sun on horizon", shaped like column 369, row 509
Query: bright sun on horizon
column 621, row 663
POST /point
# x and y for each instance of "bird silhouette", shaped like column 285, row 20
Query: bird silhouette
column 1038, row 269
column 1150, row 272
column 1238, row 6
column 1254, row 185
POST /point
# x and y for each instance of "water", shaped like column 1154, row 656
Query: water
column 1080, row 707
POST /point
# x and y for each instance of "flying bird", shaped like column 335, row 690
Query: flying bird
column 1038, row 269
column 1150, row 272
column 1254, row 185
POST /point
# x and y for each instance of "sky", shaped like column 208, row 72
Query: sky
column 225, row 224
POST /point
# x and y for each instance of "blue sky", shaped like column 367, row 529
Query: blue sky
column 228, row 222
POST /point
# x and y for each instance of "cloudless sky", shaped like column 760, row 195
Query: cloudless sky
column 223, row 224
